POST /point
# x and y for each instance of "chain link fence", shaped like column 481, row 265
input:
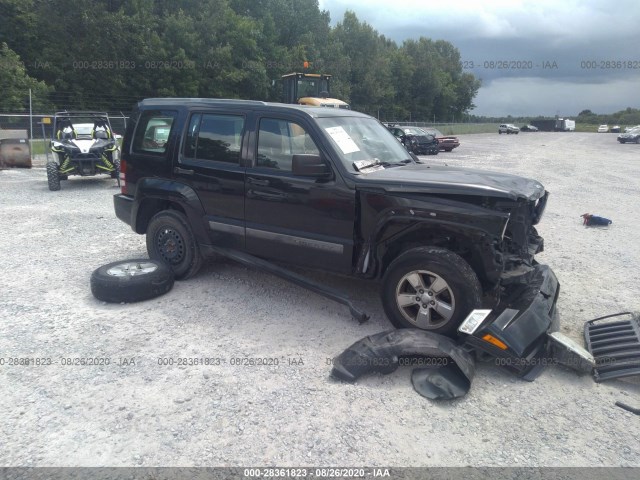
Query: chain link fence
column 37, row 129
column 39, row 126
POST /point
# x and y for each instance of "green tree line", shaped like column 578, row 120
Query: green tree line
column 626, row 117
column 108, row 54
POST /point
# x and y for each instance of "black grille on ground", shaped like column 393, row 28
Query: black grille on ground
column 615, row 345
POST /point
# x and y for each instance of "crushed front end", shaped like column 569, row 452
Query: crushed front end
column 515, row 332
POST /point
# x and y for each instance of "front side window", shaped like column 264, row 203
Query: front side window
column 152, row 132
column 214, row 137
column 279, row 141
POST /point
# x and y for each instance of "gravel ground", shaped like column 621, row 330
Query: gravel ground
column 135, row 412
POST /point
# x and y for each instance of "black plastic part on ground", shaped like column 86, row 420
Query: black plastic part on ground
column 450, row 371
column 131, row 288
column 614, row 344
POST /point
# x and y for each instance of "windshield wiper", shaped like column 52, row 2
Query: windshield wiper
column 397, row 164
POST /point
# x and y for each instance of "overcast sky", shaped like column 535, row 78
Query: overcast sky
column 563, row 56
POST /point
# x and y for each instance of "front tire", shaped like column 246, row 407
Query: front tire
column 171, row 240
column 430, row 288
column 53, row 176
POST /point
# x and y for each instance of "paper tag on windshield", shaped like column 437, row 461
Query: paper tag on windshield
column 342, row 138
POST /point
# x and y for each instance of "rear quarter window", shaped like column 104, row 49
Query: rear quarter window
column 153, row 131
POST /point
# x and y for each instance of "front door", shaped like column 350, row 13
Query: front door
column 303, row 220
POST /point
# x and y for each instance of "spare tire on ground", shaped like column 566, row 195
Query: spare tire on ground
column 131, row 280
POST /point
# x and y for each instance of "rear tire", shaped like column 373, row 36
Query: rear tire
column 53, row 176
column 171, row 240
column 430, row 288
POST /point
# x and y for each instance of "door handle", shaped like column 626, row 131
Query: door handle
column 183, row 171
column 260, row 183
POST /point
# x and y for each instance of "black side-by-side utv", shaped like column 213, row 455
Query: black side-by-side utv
column 83, row 143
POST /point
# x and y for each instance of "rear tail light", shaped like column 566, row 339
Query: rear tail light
column 123, row 177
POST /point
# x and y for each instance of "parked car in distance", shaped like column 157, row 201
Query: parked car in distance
column 529, row 128
column 615, row 129
column 603, row 128
column 632, row 136
column 263, row 182
column 508, row 128
column 446, row 143
column 416, row 140
column 628, row 129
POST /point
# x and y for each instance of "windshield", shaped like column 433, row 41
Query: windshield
column 413, row 131
column 363, row 139
column 83, row 128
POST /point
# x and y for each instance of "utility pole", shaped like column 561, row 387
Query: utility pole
column 30, row 118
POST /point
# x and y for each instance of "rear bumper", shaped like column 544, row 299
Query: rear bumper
column 123, row 205
column 521, row 321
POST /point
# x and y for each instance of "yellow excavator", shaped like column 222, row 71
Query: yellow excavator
column 309, row 89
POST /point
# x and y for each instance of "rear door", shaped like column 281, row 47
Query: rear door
column 298, row 219
column 211, row 162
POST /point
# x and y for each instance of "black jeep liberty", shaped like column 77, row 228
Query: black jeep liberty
column 332, row 189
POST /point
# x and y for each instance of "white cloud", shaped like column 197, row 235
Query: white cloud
column 567, row 32
column 569, row 20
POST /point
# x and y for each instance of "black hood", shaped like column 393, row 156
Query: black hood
column 421, row 178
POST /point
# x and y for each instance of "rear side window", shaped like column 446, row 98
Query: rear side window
column 152, row 132
column 214, row 137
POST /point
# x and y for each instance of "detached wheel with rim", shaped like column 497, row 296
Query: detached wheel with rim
column 131, row 281
column 430, row 288
column 170, row 240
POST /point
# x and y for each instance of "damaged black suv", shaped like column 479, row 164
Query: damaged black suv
column 332, row 189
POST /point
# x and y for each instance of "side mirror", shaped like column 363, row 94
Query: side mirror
column 309, row 166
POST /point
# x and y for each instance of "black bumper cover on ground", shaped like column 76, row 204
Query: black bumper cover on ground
column 521, row 321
